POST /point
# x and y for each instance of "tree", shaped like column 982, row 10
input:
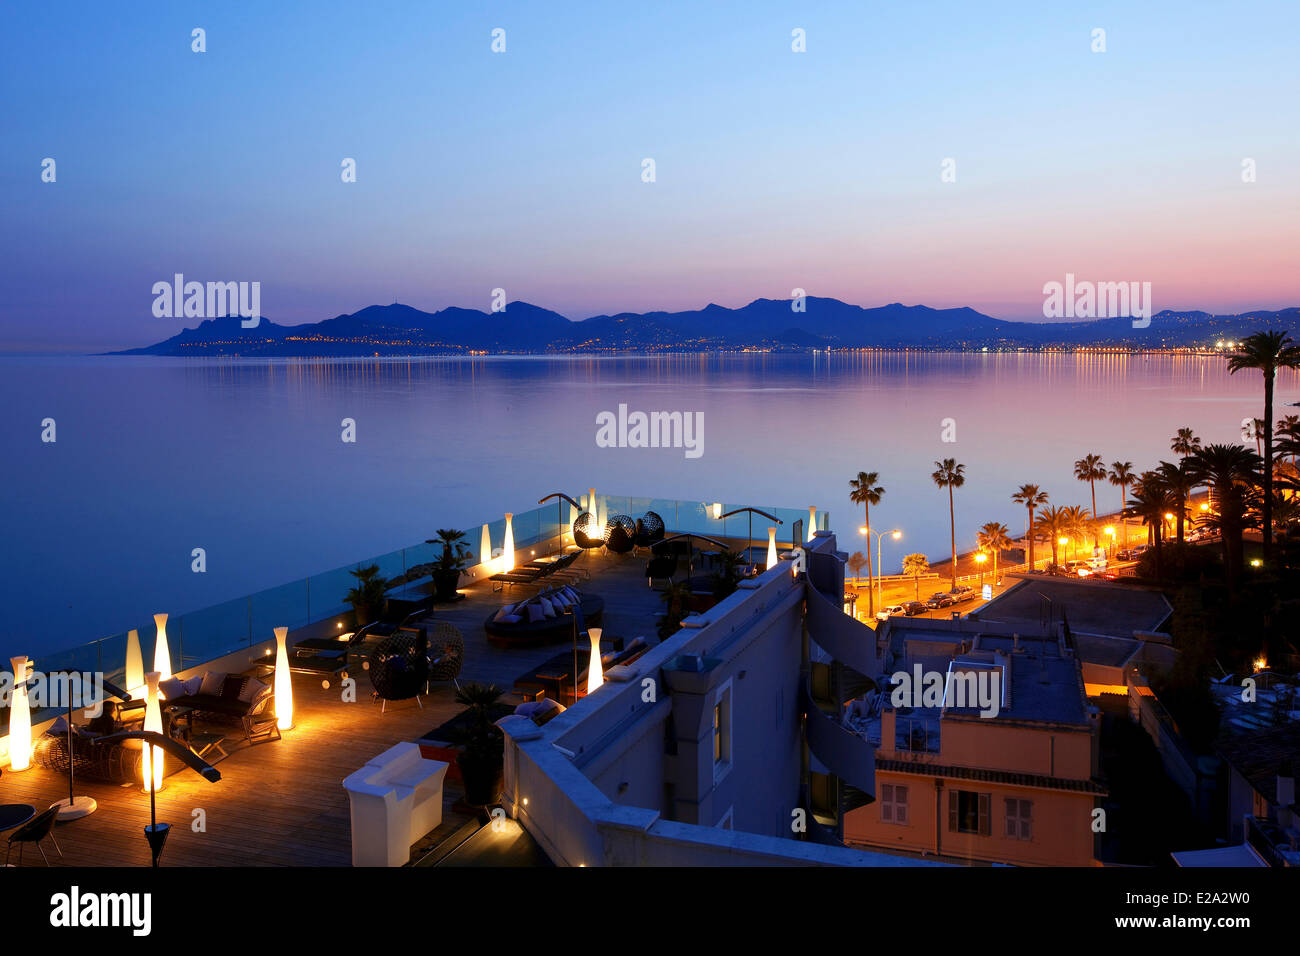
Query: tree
column 1151, row 500
column 916, row 565
column 993, row 537
column 1121, row 476
column 1029, row 496
column 1229, row 471
column 948, row 474
column 1268, row 352
column 1090, row 468
column 864, row 490
column 1185, row 443
column 1180, row 484
column 1052, row 523
column 855, row 563
column 1075, row 522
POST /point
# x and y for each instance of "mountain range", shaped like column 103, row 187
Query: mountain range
column 762, row 324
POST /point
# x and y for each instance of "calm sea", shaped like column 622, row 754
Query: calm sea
column 156, row 457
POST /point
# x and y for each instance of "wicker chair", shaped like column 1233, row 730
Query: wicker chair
column 399, row 666
column 447, row 653
column 620, row 534
column 649, row 529
column 585, row 533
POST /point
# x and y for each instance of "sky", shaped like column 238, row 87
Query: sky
column 522, row 170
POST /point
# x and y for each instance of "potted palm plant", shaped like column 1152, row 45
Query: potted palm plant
column 481, row 761
column 367, row 598
column 449, row 565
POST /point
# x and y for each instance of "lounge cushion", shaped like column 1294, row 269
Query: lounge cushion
column 172, row 688
column 505, row 611
column 192, row 684
column 233, row 687
column 547, row 607
column 535, row 613
column 212, row 684
column 253, row 688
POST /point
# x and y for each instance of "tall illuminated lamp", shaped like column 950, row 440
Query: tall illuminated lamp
column 283, row 682
column 134, row 666
column 162, row 657
column 508, row 555
column 771, row 547
column 20, row 718
column 595, row 672
column 151, row 757
column 812, row 522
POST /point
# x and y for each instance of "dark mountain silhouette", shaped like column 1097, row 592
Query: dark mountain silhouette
column 764, row 323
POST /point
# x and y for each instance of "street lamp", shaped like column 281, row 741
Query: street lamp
column 895, row 534
column 1063, row 541
column 980, row 558
column 1110, row 533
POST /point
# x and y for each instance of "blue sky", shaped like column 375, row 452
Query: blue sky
column 521, row 170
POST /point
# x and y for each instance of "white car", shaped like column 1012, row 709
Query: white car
column 884, row 614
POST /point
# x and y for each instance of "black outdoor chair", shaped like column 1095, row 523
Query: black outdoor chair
column 620, row 534
column 585, row 533
column 649, row 529
column 399, row 666
column 34, row 831
column 660, row 566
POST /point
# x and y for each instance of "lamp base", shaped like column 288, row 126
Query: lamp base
column 78, row 808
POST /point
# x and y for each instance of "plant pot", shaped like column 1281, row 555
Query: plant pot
column 483, row 777
column 444, row 584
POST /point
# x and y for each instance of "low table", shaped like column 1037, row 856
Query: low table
column 15, row 814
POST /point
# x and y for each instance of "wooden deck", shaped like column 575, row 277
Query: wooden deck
column 282, row 803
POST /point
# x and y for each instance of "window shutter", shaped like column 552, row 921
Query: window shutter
column 1011, row 827
column 887, row 803
column 900, row 804
column 952, row 811
column 1026, row 820
column 985, row 828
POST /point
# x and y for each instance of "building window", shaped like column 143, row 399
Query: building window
column 722, row 732
column 968, row 812
column 1019, row 819
column 893, row 804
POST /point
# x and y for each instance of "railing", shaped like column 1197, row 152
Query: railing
column 209, row 633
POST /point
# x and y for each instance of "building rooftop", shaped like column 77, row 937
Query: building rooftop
column 1102, row 608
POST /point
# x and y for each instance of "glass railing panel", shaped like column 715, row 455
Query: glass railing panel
column 202, row 636
column 285, row 606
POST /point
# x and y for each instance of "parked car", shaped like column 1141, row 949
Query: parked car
column 961, row 593
column 913, row 608
column 885, row 613
column 940, row 600
column 1131, row 554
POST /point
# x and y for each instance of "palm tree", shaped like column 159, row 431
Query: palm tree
column 1289, row 429
column 1179, row 483
column 1229, row 471
column 865, row 491
column 993, row 537
column 948, row 474
column 1121, row 476
column 1052, row 522
column 1185, row 443
column 1268, row 352
column 1151, row 500
column 1090, row 468
column 855, row 563
column 916, row 565
column 1029, row 496
column 1075, row 521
